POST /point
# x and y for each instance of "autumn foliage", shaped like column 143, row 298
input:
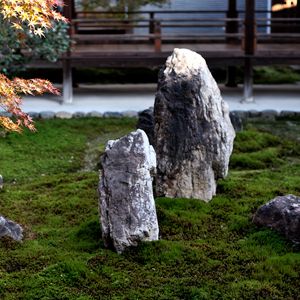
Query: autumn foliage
column 37, row 16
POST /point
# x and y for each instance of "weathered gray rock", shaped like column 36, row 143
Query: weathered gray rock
column 34, row 115
column 130, row 113
column 112, row 114
column 281, row 214
column 146, row 123
column 289, row 114
column 269, row 114
column 63, row 115
column 193, row 133
column 95, row 114
column 5, row 114
column 11, row 229
column 1, row 182
column 127, row 206
column 47, row 115
column 254, row 113
column 78, row 114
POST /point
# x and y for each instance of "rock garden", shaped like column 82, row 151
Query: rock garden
column 185, row 206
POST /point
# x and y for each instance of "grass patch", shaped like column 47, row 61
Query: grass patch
column 206, row 250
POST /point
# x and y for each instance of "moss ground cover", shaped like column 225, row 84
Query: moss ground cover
column 206, row 251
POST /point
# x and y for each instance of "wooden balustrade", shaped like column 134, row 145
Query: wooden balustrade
column 137, row 37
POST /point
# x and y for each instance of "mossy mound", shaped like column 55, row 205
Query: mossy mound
column 206, row 251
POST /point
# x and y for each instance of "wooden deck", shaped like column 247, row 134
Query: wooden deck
column 141, row 55
column 146, row 39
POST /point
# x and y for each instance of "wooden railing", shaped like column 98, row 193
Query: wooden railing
column 243, row 32
column 154, row 27
column 165, row 26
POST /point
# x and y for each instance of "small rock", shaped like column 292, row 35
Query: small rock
column 34, row 115
column 287, row 114
column 269, row 114
column 5, row 114
column 63, row 115
column 254, row 113
column 78, row 114
column 281, row 214
column 146, row 123
column 11, row 229
column 130, row 114
column 128, row 214
column 1, row 182
column 47, row 115
column 236, row 121
column 112, row 114
column 94, row 114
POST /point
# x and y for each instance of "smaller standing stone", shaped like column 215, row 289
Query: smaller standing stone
column 281, row 214
column 127, row 205
column 1, row 182
column 11, row 229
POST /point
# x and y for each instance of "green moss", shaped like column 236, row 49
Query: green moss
column 206, row 250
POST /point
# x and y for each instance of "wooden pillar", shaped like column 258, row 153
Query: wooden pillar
column 69, row 9
column 67, row 82
column 298, row 15
column 231, row 28
column 157, row 36
column 248, row 80
column 69, row 13
column 249, row 48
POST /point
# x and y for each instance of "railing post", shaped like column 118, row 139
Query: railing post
column 233, row 25
column 298, row 15
column 157, row 36
column 231, row 28
column 249, row 48
column 151, row 23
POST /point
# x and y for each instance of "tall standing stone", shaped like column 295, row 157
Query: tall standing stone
column 127, row 206
column 193, row 133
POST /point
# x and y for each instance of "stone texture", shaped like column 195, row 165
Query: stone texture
column 281, row 214
column 146, row 123
column 63, row 115
column 127, row 205
column 1, row 182
column 11, row 229
column 193, row 133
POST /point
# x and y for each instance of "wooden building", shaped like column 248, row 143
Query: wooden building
column 235, row 32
